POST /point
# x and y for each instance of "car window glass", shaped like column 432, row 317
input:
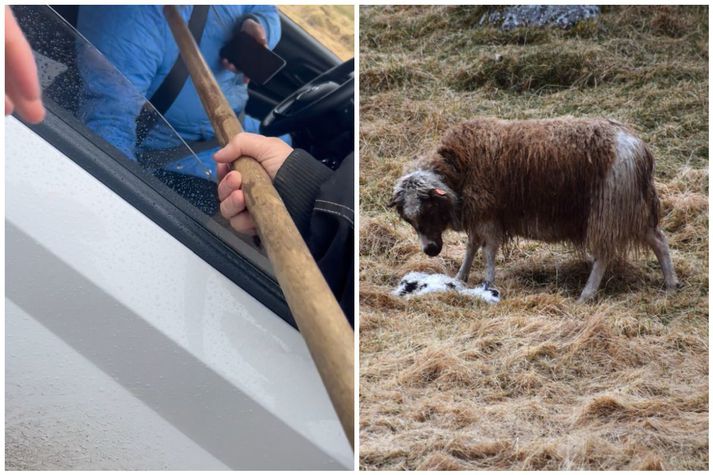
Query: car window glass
column 78, row 82
column 331, row 25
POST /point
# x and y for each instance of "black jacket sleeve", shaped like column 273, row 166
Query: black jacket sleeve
column 321, row 202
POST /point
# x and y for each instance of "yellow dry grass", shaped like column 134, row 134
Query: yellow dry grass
column 537, row 381
column 331, row 25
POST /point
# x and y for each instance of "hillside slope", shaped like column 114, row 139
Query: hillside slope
column 537, row 381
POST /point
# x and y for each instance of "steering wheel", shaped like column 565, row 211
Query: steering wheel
column 322, row 94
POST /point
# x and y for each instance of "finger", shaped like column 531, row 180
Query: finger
column 260, row 37
column 233, row 205
column 244, row 144
column 20, row 64
column 8, row 105
column 232, row 181
column 243, row 223
column 229, row 66
column 260, row 34
column 223, row 169
column 33, row 112
column 30, row 110
column 256, row 30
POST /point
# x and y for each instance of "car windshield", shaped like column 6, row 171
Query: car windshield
column 76, row 78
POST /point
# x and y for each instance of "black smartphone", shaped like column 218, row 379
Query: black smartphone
column 250, row 57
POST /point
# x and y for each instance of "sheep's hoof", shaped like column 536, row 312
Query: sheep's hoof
column 462, row 278
column 584, row 298
column 674, row 287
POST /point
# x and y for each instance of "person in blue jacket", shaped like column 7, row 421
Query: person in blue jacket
column 138, row 42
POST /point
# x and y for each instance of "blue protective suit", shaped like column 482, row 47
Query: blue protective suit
column 138, row 42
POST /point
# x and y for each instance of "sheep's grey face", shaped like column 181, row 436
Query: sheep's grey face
column 426, row 206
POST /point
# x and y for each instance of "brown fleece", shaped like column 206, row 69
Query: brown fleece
column 553, row 180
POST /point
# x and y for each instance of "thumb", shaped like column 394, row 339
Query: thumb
column 262, row 37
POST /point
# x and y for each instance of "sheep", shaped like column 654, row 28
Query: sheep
column 586, row 182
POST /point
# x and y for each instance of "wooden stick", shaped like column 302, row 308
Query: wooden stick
column 320, row 319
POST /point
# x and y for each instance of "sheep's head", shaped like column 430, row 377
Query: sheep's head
column 426, row 203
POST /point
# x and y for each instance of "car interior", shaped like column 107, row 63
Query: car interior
column 311, row 98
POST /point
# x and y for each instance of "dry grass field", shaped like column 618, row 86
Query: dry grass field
column 331, row 25
column 536, row 381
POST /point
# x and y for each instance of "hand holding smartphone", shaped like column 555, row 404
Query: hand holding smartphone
column 252, row 58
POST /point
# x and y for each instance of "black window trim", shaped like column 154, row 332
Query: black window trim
column 128, row 180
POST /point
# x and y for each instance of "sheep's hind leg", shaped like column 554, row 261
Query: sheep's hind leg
column 658, row 243
column 473, row 245
column 595, row 278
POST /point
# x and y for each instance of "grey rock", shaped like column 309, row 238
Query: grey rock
column 562, row 16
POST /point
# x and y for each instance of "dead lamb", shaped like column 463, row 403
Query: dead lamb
column 420, row 283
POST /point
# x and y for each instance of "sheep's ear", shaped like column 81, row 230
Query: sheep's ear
column 439, row 193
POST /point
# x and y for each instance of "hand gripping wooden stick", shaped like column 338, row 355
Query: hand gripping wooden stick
column 320, row 319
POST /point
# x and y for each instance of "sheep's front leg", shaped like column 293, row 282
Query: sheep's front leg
column 490, row 249
column 595, row 278
column 473, row 245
